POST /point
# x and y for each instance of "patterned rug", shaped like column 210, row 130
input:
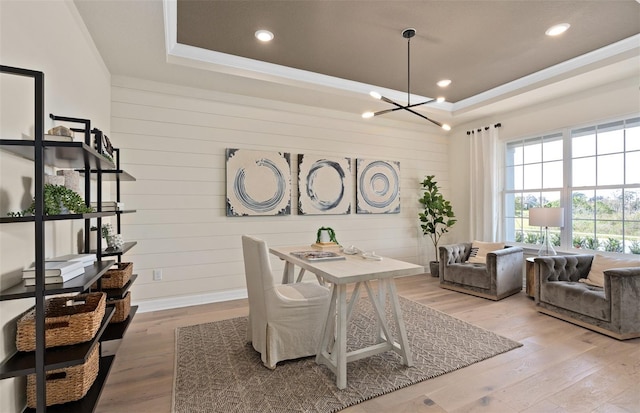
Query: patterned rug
column 217, row 371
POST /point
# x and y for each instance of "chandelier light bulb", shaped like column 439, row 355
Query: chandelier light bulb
column 375, row 95
column 446, row 127
column 367, row 115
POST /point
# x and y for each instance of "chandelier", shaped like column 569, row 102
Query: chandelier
column 407, row 34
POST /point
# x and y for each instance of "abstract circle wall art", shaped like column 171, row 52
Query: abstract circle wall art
column 378, row 187
column 325, row 185
column 258, row 182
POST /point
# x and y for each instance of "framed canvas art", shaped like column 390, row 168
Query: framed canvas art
column 258, row 183
column 325, row 185
column 378, row 187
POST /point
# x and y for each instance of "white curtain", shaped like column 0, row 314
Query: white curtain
column 484, row 180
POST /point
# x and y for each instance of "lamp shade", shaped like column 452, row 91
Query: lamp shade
column 546, row 217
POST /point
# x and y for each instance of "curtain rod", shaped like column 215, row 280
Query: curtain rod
column 497, row 125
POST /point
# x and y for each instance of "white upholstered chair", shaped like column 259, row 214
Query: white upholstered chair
column 285, row 321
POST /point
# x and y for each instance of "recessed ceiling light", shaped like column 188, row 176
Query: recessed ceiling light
column 444, row 83
column 557, row 29
column 440, row 99
column 264, row 35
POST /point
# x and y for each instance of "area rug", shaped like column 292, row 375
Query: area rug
column 218, row 371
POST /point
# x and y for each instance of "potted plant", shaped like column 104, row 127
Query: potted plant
column 57, row 200
column 437, row 217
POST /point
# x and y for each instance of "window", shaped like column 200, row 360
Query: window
column 593, row 172
column 533, row 178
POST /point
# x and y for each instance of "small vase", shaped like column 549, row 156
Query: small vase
column 325, row 237
column 115, row 242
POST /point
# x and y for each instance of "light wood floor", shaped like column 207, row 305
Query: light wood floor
column 560, row 368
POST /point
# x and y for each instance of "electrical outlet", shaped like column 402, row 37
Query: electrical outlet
column 157, row 275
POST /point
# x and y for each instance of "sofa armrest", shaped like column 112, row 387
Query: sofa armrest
column 622, row 286
column 509, row 259
column 507, row 265
column 455, row 253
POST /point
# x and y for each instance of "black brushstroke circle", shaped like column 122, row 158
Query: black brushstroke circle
column 239, row 188
column 390, row 189
column 322, row 204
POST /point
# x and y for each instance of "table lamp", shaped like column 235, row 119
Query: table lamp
column 546, row 217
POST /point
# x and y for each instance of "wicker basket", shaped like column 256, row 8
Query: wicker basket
column 117, row 277
column 68, row 320
column 122, row 306
column 68, row 384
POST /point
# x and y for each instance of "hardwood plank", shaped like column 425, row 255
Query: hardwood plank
column 560, row 368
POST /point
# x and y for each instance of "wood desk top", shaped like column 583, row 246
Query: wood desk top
column 352, row 269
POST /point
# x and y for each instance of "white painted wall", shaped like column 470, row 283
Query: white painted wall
column 50, row 37
column 614, row 100
column 173, row 139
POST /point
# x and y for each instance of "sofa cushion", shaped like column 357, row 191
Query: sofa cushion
column 603, row 262
column 475, row 275
column 483, row 249
column 577, row 297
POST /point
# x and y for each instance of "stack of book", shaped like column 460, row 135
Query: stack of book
column 85, row 259
column 109, row 206
column 60, row 269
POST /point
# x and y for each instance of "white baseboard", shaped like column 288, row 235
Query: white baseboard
column 145, row 306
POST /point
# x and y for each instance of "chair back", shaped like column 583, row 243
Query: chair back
column 257, row 271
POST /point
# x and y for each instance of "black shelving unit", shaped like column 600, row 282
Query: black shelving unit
column 66, row 155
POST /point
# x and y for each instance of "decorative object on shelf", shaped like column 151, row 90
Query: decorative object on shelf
column 103, row 144
column 378, row 187
column 546, row 217
column 60, row 131
column 407, row 34
column 436, row 218
column 71, row 179
column 325, row 185
column 258, row 182
column 57, row 200
column 68, row 320
column 67, row 384
column 115, row 242
column 54, row 180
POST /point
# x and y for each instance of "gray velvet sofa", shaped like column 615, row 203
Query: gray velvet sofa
column 613, row 310
column 500, row 277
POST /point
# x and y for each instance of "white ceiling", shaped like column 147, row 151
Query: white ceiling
column 332, row 53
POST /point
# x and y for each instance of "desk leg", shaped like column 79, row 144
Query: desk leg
column 340, row 348
column 404, row 349
column 382, row 301
column 288, row 276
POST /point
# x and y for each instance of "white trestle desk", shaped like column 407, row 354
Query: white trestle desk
column 355, row 269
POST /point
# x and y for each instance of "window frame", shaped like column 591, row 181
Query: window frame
column 566, row 191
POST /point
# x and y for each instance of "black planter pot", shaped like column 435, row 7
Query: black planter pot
column 434, row 268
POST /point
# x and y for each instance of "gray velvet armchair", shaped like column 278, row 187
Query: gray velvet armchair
column 499, row 277
column 613, row 310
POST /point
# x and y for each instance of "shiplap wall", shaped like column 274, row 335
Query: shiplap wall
column 173, row 140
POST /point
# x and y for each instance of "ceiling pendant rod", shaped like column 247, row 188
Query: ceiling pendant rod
column 407, row 34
